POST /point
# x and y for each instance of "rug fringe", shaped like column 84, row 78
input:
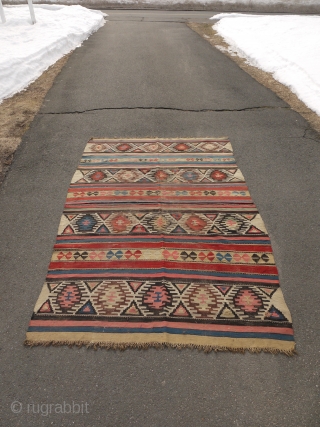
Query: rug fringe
column 145, row 346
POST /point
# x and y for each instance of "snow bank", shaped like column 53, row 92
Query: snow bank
column 286, row 46
column 306, row 6
column 269, row 2
column 27, row 50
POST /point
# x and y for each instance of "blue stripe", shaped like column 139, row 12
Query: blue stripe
column 163, row 270
column 159, row 330
column 159, row 157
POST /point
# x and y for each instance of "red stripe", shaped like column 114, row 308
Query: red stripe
column 149, row 275
column 151, row 186
column 167, row 245
column 165, row 187
column 214, row 207
column 150, row 325
column 133, row 263
column 75, row 201
column 159, row 236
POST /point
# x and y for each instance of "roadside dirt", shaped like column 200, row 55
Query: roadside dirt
column 17, row 113
column 266, row 79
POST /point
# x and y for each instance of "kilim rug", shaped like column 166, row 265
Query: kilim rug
column 160, row 244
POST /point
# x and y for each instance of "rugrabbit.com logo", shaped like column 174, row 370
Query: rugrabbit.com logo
column 46, row 409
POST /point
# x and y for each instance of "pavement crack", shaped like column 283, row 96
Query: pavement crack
column 308, row 130
column 149, row 21
column 186, row 110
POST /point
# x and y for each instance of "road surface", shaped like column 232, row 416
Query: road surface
column 145, row 73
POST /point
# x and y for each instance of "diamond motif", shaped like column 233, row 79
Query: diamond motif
column 181, row 147
column 248, row 301
column 86, row 223
column 123, row 147
column 196, row 223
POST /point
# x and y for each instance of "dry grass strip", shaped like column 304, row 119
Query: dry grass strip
column 17, row 113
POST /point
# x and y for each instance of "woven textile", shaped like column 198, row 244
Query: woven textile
column 160, row 244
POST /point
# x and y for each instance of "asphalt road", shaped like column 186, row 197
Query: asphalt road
column 147, row 74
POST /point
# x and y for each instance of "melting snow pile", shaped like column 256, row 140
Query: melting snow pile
column 288, row 46
column 27, row 50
